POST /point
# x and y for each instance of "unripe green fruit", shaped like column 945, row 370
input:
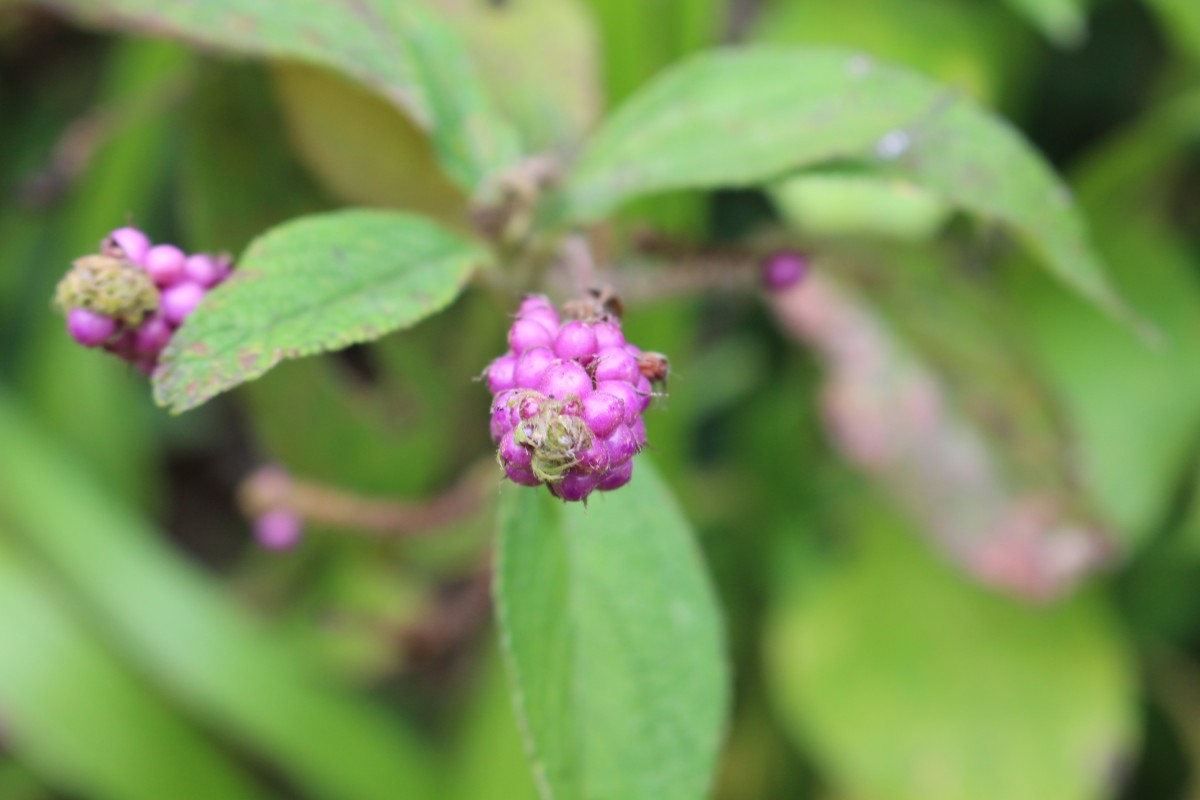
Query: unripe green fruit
column 109, row 286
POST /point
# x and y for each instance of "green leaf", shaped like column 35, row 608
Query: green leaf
column 400, row 50
column 539, row 59
column 233, row 674
column 1062, row 21
column 363, row 150
column 613, row 643
column 1127, row 404
column 1180, row 20
column 907, row 682
column 314, row 284
column 62, row 695
column 744, row 117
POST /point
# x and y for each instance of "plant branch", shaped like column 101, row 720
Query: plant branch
column 271, row 489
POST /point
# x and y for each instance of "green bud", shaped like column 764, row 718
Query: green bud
column 109, row 286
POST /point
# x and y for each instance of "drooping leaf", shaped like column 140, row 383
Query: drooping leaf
column 743, row 117
column 63, row 694
column 235, row 675
column 1128, row 404
column 539, row 59
column 613, row 643
column 400, row 50
column 905, row 681
column 314, row 284
column 362, row 148
column 953, row 425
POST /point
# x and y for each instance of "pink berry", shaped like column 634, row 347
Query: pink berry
column 133, row 243
column 783, row 269
column 638, row 429
column 277, row 530
column 165, row 263
column 603, row 412
column 574, row 486
column 513, row 454
column 608, row 334
column 530, row 405
column 626, row 394
column 180, row 300
column 89, row 328
column 546, row 317
column 616, row 478
column 534, row 302
column 622, row 445
column 500, row 423
column 526, row 334
column 575, row 340
column 565, row 378
column 123, row 345
column 645, row 391
column 614, row 364
column 500, row 373
column 522, row 476
column 531, row 366
column 596, row 458
column 152, row 336
column 204, row 269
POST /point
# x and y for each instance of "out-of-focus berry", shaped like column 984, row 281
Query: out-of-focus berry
column 181, row 300
column 132, row 295
column 277, row 529
column 783, row 269
column 500, row 373
column 132, row 243
column 89, row 328
column 164, row 263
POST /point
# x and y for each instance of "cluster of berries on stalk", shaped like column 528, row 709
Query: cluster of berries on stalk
column 568, row 399
column 131, row 297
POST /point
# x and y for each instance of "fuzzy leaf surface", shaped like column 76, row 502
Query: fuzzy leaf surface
column 613, row 642
column 400, row 50
column 314, row 284
column 746, row 116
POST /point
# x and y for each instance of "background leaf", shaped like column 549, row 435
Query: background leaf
column 362, row 148
column 189, row 642
column 96, row 727
column 908, row 683
column 400, row 50
column 767, row 111
column 314, row 284
column 613, row 641
column 1063, row 21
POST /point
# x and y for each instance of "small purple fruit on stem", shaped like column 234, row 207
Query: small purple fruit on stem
column 133, row 243
column 89, row 328
column 783, row 269
column 181, row 300
column 277, row 529
column 164, row 263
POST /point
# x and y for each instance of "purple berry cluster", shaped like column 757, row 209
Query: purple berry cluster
column 568, row 400
column 131, row 297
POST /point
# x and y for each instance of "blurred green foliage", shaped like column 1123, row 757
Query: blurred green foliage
column 149, row 649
